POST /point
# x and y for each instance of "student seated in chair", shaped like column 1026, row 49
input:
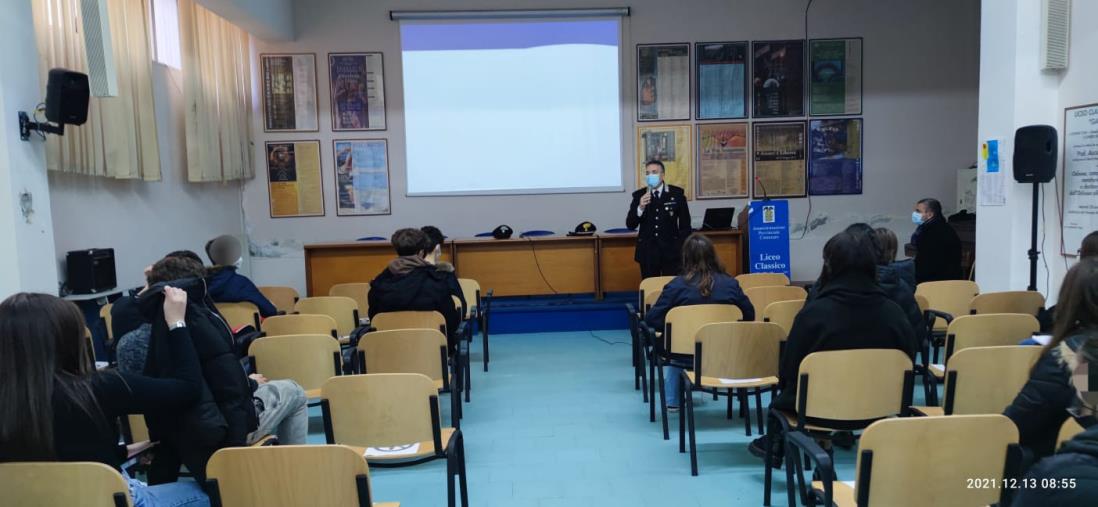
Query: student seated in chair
column 434, row 257
column 703, row 281
column 228, row 286
column 125, row 315
column 59, row 408
column 236, row 410
column 1040, row 408
column 850, row 311
column 411, row 283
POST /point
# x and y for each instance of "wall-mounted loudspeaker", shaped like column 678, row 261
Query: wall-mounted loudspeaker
column 1035, row 154
column 67, row 97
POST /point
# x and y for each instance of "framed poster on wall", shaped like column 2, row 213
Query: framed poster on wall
column 835, row 156
column 289, row 92
column 721, row 71
column 835, row 76
column 778, row 160
column 722, row 160
column 670, row 144
column 362, row 177
column 1080, row 205
column 778, row 78
column 663, row 82
column 294, row 185
column 357, row 83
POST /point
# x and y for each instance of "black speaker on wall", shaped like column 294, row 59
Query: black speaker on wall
column 1035, row 154
column 67, row 95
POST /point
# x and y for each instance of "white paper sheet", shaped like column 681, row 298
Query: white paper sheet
column 396, row 450
column 734, row 381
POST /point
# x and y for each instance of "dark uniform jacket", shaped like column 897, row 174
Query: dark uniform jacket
column 937, row 252
column 664, row 224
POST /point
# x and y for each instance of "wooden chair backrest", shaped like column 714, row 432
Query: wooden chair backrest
column 1028, row 302
column 405, row 351
column 288, row 475
column 683, row 323
column 62, row 483
column 380, row 409
column 1068, row 430
column 387, row 321
column 651, row 284
column 782, row 313
column 238, row 314
column 950, row 296
column 358, row 291
column 739, row 350
column 105, row 314
column 650, row 299
column 925, row 460
column 854, row 385
column 299, row 323
column 283, row 298
column 989, row 330
column 989, row 378
column 752, row 280
column 308, row 359
column 340, row 308
column 470, row 290
column 139, row 430
column 923, row 303
column 761, row 297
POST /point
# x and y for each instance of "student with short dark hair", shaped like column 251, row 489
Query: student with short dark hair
column 226, row 285
column 410, row 282
column 703, row 281
column 58, row 408
column 435, row 239
column 850, row 311
column 937, row 246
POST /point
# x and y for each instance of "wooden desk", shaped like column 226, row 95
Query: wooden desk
column 619, row 272
column 327, row 264
column 511, row 267
column 530, row 266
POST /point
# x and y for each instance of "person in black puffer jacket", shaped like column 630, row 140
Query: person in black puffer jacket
column 1067, row 479
column 892, row 279
column 412, row 283
column 195, row 438
column 1041, row 407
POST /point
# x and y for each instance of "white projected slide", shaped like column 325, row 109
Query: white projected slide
column 509, row 108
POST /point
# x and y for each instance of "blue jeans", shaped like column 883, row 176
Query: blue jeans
column 671, row 381
column 172, row 494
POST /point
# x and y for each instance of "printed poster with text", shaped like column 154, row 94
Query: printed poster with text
column 1080, row 181
column 357, row 90
column 722, row 160
column 294, row 180
column 362, row 177
column 835, row 85
column 289, row 92
column 670, row 144
column 835, row 157
column 778, row 83
column 779, row 160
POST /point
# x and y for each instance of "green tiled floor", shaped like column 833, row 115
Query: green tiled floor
column 556, row 422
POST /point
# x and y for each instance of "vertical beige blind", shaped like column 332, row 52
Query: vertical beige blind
column 119, row 138
column 216, row 95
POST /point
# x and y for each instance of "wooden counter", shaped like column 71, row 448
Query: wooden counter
column 512, row 267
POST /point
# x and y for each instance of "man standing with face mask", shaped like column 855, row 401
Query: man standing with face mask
column 661, row 212
column 225, row 285
column 937, row 246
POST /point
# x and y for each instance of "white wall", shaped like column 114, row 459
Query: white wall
column 141, row 220
column 26, row 241
column 266, row 19
column 920, row 110
column 1014, row 92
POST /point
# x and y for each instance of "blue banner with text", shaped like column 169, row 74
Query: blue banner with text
column 768, row 239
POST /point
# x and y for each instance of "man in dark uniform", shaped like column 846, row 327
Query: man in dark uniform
column 937, row 247
column 664, row 219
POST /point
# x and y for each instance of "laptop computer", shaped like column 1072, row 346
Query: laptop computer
column 718, row 219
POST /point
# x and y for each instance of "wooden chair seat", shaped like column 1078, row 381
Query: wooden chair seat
column 791, row 418
column 929, row 411
column 842, row 492
column 312, row 393
column 426, row 448
column 711, row 382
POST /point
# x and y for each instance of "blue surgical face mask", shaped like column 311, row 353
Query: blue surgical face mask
column 653, row 180
column 916, row 218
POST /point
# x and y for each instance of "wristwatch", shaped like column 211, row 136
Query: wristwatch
column 176, row 325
